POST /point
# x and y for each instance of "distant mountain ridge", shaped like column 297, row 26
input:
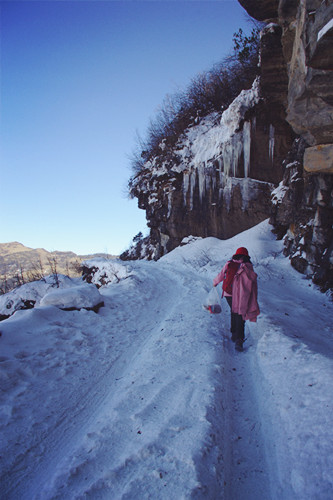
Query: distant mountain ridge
column 19, row 264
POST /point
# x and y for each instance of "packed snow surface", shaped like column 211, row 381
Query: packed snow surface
column 149, row 400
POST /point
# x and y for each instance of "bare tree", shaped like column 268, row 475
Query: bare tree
column 67, row 268
column 4, row 285
column 76, row 266
column 37, row 271
column 53, row 268
column 19, row 275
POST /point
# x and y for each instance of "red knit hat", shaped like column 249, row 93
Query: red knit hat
column 241, row 251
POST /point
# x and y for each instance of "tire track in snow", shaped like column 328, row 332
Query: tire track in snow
column 126, row 459
column 237, row 451
column 26, row 479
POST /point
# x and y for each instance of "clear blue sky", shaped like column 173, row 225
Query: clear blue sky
column 78, row 80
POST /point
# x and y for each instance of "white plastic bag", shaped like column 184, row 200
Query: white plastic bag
column 212, row 302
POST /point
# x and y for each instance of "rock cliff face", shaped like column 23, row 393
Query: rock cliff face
column 303, row 203
column 275, row 137
column 218, row 178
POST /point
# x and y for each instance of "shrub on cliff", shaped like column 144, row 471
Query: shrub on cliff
column 210, row 91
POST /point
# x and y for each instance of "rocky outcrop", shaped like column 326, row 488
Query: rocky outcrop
column 307, row 42
column 268, row 8
column 218, row 178
column 319, row 158
column 303, row 207
column 302, row 215
column 310, row 99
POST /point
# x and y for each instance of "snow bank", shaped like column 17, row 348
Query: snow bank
column 30, row 294
column 83, row 296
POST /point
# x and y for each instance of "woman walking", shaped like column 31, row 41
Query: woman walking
column 239, row 287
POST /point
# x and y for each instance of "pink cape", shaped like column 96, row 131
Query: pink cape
column 244, row 293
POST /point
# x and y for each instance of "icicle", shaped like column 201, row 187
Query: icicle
column 169, row 203
column 245, row 189
column 237, row 148
column 186, row 182
column 221, row 174
column 227, row 193
column 202, row 180
column 193, row 179
column 212, row 179
column 254, row 124
column 247, row 147
column 227, row 157
column 271, row 142
column 232, row 151
column 164, row 241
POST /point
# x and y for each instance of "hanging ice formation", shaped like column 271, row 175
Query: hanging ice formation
column 227, row 162
column 202, row 180
column 246, row 147
column 271, row 142
column 220, row 144
column 232, row 150
column 186, row 182
column 190, row 179
column 192, row 186
column 169, row 203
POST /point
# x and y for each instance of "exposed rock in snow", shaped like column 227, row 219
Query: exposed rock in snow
column 102, row 272
column 189, row 239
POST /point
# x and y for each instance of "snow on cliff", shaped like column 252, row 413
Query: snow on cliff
column 217, row 142
column 148, row 398
column 225, row 140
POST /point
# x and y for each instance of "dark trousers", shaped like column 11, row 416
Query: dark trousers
column 237, row 323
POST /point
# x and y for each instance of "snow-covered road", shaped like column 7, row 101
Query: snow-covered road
column 148, row 399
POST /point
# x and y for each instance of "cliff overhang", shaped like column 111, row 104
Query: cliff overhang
column 269, row 152
column 303, row 203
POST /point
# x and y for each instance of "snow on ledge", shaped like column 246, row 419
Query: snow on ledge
column 279, row 193
column 325, row 29
column 105, row 271
column 83, row 296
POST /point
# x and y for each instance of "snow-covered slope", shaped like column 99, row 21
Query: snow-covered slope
column 148, row 399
